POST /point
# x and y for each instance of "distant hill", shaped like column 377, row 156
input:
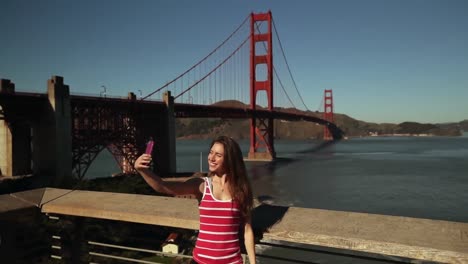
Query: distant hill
column 463, row 125
column 189, row 128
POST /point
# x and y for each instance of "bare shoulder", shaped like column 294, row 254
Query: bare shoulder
column 198, row 181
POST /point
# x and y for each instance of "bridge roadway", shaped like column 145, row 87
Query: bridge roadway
column 25, row 105
column 193, row 111
column 421, row 239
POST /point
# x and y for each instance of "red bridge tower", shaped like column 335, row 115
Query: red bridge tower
column 261, row 129
column 328, row 113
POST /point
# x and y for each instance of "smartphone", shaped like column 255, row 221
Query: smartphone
column 149, row 147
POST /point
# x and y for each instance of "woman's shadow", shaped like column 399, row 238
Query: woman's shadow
column 265, row 216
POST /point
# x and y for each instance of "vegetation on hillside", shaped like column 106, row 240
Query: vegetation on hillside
column 239, row 128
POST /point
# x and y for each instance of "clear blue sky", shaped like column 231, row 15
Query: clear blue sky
column 386, row 61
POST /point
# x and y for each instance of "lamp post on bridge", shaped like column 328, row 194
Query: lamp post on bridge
column 103, row 92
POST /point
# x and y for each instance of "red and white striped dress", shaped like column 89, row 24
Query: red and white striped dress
column 218, row 238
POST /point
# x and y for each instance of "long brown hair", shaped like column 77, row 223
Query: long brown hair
column 236, row 174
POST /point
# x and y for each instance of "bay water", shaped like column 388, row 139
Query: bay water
column 423, row 177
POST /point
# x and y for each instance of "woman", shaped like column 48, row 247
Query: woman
column 225, row 202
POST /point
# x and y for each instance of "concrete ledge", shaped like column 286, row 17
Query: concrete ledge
column 147, row 209
column 10, row 203
column 424, row 239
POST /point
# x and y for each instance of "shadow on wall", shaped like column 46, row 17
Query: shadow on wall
column 265, row 216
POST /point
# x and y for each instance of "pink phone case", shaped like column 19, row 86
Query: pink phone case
column 149, row 147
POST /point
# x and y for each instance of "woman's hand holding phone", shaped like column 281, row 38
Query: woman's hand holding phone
column 144, row 161
column 149, row 147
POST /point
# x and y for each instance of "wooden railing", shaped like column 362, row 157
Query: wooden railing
column 347, row 234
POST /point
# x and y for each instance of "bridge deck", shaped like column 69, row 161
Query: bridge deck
column 388, row 235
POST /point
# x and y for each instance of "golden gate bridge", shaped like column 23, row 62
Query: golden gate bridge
column 239, row 70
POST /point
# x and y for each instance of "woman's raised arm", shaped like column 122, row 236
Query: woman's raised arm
column 192, row 186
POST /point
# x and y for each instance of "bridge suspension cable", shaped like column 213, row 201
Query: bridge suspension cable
column 287, row 65
column 276, row 73
column 213, row 70
column 222, row 76
column 320, row 107
column 198, row 63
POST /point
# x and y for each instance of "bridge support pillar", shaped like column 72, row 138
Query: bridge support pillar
column 6, row 86
column 15, row 138
column 168, row 136
column 129, row 152
column 15, row 149
column 52, row 140
column 6, row 166
column 6, row 137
